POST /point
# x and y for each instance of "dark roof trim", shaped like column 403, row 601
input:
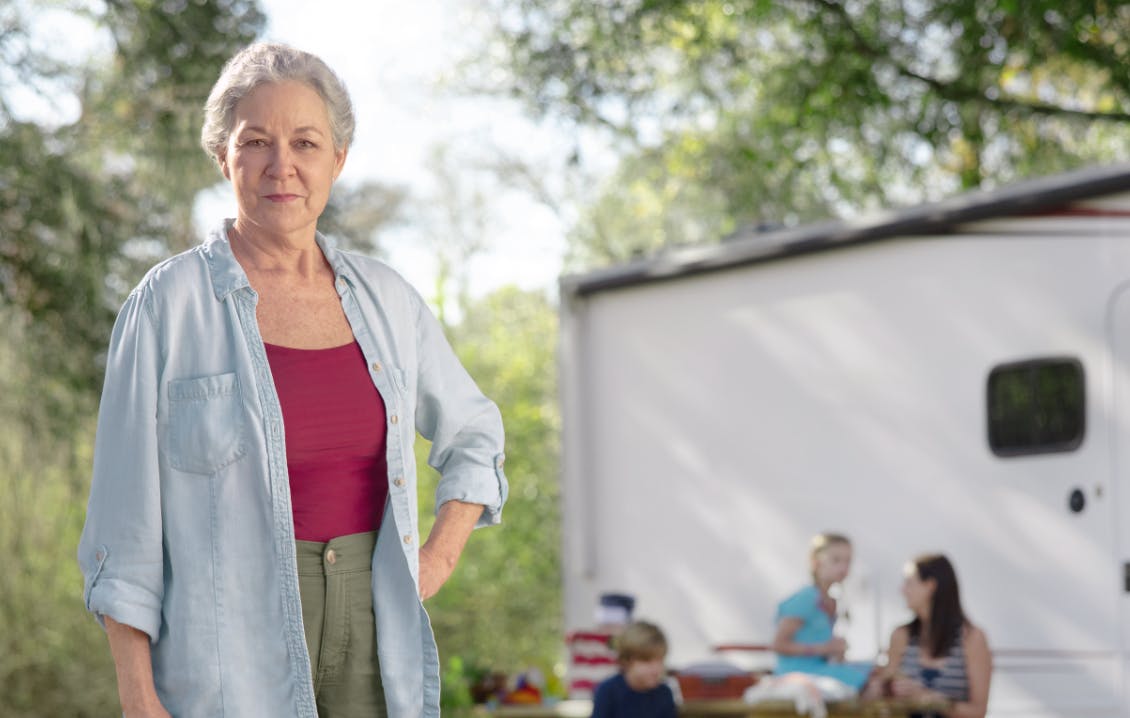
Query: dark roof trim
column 748, row 246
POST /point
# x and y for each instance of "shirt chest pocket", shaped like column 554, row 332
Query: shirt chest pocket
column 205, row 430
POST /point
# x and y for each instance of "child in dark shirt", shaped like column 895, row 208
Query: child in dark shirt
column 638, row 690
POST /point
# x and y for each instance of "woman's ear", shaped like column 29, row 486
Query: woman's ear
column 339, row 161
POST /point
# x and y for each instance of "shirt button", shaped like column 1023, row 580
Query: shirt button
column 407, row 538
column 341, row 282
column 331, row 557
column 99, row 555
column 398, row 482
column 394, row 419
column 376, row 366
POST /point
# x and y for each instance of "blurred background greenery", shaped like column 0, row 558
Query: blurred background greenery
column 719, row 115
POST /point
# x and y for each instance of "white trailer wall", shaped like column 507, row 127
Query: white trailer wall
column 713, row 423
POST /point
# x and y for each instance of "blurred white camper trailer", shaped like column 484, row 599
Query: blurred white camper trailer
column 953, row 377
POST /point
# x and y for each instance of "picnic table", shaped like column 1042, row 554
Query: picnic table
column 726, row 709
column 786, row 709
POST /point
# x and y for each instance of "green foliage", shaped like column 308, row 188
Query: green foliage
column 657, row 198
column 354, row 214
column 59, row 227
column 53, row 656
column 85, row 206
column 146, row 104
column 502, row 607
column 742, row 111
column 455, row 691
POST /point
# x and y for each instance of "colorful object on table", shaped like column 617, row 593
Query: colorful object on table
column 525, row 692
column 490, row 687
column 716, row 680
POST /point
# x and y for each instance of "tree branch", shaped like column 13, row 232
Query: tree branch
column 956, row 91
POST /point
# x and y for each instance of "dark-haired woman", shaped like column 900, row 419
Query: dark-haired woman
column 939, row 657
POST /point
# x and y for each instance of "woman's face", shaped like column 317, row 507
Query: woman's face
column 918, row 593
column 832, row 564
column 280, row 158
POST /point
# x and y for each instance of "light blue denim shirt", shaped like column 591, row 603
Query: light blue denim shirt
column 189, row 535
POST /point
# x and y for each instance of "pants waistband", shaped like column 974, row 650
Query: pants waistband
column 343, row 554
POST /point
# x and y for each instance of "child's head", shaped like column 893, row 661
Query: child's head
column 641, row 648
column 830, row 555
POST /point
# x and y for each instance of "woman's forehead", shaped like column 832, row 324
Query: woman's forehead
column 291, row 103
column 837, row 549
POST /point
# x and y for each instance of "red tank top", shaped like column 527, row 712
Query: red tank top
column 334, row 419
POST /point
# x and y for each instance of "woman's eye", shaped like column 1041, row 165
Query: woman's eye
column 255, row 143
column 305, row 144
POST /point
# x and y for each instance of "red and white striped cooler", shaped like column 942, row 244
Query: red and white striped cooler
column 591, row 660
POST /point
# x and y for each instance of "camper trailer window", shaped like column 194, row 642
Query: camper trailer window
column 1036, row 407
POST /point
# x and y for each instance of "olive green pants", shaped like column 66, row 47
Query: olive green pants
column 334, row 580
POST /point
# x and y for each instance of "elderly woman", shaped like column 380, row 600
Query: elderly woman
column 251, row 541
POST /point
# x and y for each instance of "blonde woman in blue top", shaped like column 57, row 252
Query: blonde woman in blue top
column 805, row 641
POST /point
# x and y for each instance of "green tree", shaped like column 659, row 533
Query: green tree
column 356, row 213
column 502, row 607
column 743, row 111
column 85, row 205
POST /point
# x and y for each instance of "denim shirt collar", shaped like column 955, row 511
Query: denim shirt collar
column 228, row 276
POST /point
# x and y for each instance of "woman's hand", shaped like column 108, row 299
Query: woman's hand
column 156, row 711
column 440, row 553
column 907, row 687
column 836, row 649
column 434, row 572
column 878, row 685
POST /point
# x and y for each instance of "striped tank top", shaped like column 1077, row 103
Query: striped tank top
column 950, row 680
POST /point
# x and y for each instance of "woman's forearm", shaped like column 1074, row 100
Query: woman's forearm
column 134, row 666
column 793, row 648
column 967, row 710
column 827, row 649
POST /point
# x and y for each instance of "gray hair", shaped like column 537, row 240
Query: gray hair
column 265, row 62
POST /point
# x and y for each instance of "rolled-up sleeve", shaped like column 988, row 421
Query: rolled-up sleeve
column 120, row 552
column 464, row 426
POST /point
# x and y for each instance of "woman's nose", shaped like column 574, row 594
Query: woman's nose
column 281, row 162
